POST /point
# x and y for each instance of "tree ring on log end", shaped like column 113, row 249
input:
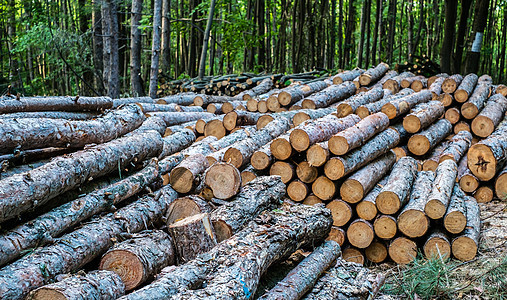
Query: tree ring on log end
column 435, row 209
column 388, row 202
column 464, row 248
column 334, row 169
column 455, row 222
column 385, row 227
column 224, row 179
column 126, row 264
column 299, row 140
column 281, row 149
column 418, row 144
column 402, row 250
column 413, row 223
column 352, row 191
column 412, row 124
column 437, row 247
column 482, row 162
column 181, row 180
column 376, row 252
column 324, row 188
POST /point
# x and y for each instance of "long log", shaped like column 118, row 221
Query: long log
column 490, row 116
column 39, row 133
column 289, row 96
column 65, row 103
column 475, row 103
column 403, row 105
column 455, row 217
column 75, row 249
column 367, row 208
column 394, row 84
column 176, row 118
column 75, row 116
column 256, row 196
column 466, row 88
column 465, row 246
column 396, row 192
column 423, row 115
column 441, row 192
column 347, row 76
column 421, row 143
column 139, row 258
column 234, row 119
column 374, row 74
column 204, row 100
column 371, row 108
column 294, row 226
column 263, row 87
column 350, row 105
column 412, row 220
column 180, row 99
column 329, row 95
column 177, row 142
column 457, row 147
column 35, row 188
column 94, row 285
column 339, row 166
column 436, row 87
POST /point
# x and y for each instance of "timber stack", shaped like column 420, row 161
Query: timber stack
column 364, row 165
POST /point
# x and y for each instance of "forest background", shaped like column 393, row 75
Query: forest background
column 114, row 47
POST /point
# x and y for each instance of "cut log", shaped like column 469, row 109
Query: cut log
column 465, row 246
column 501, row 184
column 139, row 258
column 262, row 107
column 214, row 128
column 400, row 152
column 202, row 147
column 94, row 285
column 249, row 174
column 40, row 133
column 341, row 212
column 445, row 99
column 407, row 82
column 484, row 194
column 184, row 177
column 303, row 277
column 204, row 100
column 75, row 116
column 26, row 156
column 357, row 135
column 475, row 103
column 422, row 116
column 487, row 157
column 185, row 207
column 396, row 192
column 455, row 218
column 419, row 84
column 22, row 192
column 263, row 87
column 453, row 115
column 297, row 190
column 352, row 255
column 262, row 158
column 350, row 105
column 215, row 108
column 466, row 88
column 234, row 105
column 431, row 163
column 461, row 126
column 347, row 76
column 319, row 130
column 285, row 170
column 374, row 74
column 65, row 103
column 336, row 234
column 376, row 252
column 324, row 188
column 73, row 250
column 360, row 233
column 491, row 115
column 367, row 209
column 361, row 182
column 451, row 83
column 437, row 246
column 318, row 154
column 177, row 142
column 385, row 227
column 240, row 154
column 441, row 192
column 281, row 233
column 412, row 220
column 192, row 236
column 432, row 79
column 436, row 87
column 224, row 179
column 457, row 147
column 402, row 250
column 467, row 181
column 240, row 118
column 371, row 108
column 401, row 106
column 423, row 142
column 501, row 89
column 175, row 118
column 180, row 99
column 280, row 147
column 394, row 84
column 329, row 95
column 339, row 166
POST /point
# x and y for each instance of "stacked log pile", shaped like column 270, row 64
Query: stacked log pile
column 180, row 194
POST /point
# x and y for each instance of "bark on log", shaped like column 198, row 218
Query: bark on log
column 291, row 95
column 406, row 82
column 487, row 157
column 280, row 147
column 240, row 118
column 445, row 99
column 39, row 133
column 455, row 219
column 319, row 130
column 171, row 107
column 346, row 76
column 461, row 126
column 360, row 233
column 371, row 108
column 412, row 220
column 202, row 147
column 467, row 181
column 280, row 234
column 177, row 142
column 402, row 250
column 419, row 84
column 432, row 79
column 367, row 209
column 437, row 245
column 318, row 154
column 263, row 87
column 350, row 105
column 33, row 189
column 339, row 166
column 423, row 115
column 475, row 103
column 75, row 116
column 203, row 100
column 423, row 142
column 184, row 177
column 466, row 88
column 465, row 246
column 441, row 192
column 436, row 87
column 234, row 105
column 224, row 179
column 94, row 285
column 306, row 172
column 394, row 84
column 374, row 74
column 431, row 163
column 20, row 157
column 176, row 118
column 303, row 277
column 139, row 258
column 305, row 114
column 361, row 182
column 214, row 108
column 262, row 158
column 491, row 115
column 75, row 249
column 65, row 103
column 180, row 99
column 341, row 212
column 256, row 196
column 457, row 147
column 324, row 188
column 357, row 135
column 240, row 154
column 396, row 192
column 451, row 83
column 501, row 89
column 403, row 105
column 329, row 95
column 185, row 207
column 297, row 190
column 501, row 184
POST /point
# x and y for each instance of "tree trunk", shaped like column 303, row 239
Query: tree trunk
column 166, row 37
column 465, row 246
column 490, row 116
column 457, row 147
column 423, row 115
column 328, row 96
column 392, row 29
column 401, row 106
column 37, row 104
column 202, row 66
column 441, row 192
column 423, row 142
column 367, row 208
column 451, row 9
column 350, row 105
column 460, row 39
column 480, row 19
column 98, row 51
column 155, row 47
column 135, row 49
column 466, row 86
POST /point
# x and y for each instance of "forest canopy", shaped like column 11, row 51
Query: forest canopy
column 107, row 47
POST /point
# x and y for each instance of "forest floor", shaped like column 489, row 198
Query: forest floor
column 485, row 277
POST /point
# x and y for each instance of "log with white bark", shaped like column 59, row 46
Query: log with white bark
column 374, row 74
column 466, row 88
column 176, row 118
column 346, row 76
column 75, row 116
column 423, row 115
column 490, row 116
column 367, row 208
column 184, row 177
column 394, row 83
column 403, row 105
column 467, row 181
column 455, row 217
column 465, row 246
column 371, row 108
column 291, row 95
column 64, row 103
column 441, row 192
column 329, row 95
column 457, row 147
column 422, row 142
column 451, row 83
column 350, row 105
column 501, row 184
column 437, row 245
column 177, row 142
column 476, row 102
column 263, row 87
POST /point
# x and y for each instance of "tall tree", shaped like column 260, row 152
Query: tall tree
column 392, row 30
column 155, row 47
column 451, row 8
column 202, row 67
column 166, row 37
column 362, row 32
column 11, row 34
column 378, row 20
column 501, row 69
column 135, row 49
column 460, row 38
column 480, row 20
column 332, row 30
column 349, row 31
